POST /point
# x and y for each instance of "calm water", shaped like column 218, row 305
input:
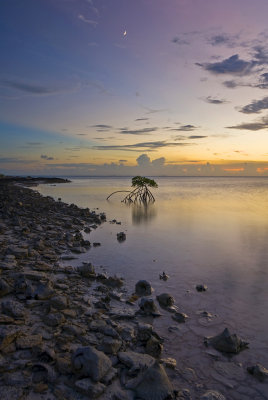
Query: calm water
column 200, row 230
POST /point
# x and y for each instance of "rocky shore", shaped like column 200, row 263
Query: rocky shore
column 74, row 332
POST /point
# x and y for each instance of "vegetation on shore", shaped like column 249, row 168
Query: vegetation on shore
column 141, row 193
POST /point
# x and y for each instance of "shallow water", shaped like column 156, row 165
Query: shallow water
column 200, row 230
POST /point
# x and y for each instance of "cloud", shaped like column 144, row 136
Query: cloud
column 29, row 87
column 223, row 39
column 256, row 106
column 154, row 110
column 45, row 157
column 197, row 137
column 143, row 160
column 180, row 41
column 149, row 146
column 232, row 65
column 142, row 119
column 231, row 84
column 159, row 162
column 144, row 131
column 185, row 128
column 252, row 126
column 101, row 126
column 263, row 82
column 87, row 21
column 34, row 143
column 122, row 160
column 180, row 137
column 10, row 160
column 213, row 100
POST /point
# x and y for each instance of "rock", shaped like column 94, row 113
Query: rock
column 114, row 281
column 89, row 362
column 227, row 343
column 7, row 336
column 154, row 347
column 212, row 395
column 29, row 341
column 201, row 288
column 145, row 332
column 152, row 384
column 87, row 270
column 163, row 276
column 143, row 288
column 11, row 392
column 165, row 300
column 96, row 244
column 121, row 236
column 4, row 288
column 18, row 252
column 148, row 307
column 169, row 362
column 135, row 361
column 13, row 309
column 42, row 373
column 53, row 320
column 110, row 345
column 179, row 317
column 259, row 372
column 59, row 302
column 44, row 292
column 89, row 388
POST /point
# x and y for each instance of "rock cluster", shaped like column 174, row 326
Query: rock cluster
column 66, row 332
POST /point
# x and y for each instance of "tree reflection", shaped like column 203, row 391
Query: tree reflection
column 143, row 213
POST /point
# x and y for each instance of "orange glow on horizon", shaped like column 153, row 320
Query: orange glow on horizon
column 233, row 169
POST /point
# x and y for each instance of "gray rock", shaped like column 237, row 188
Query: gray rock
column 13, row 309
column 59, row 302
column 212, row 395
column 110, row 345
column 89, row 362
column 135, row 361
column 44, row 292
column 165, row 300
column 148, row 307
column 154, row 347
column 152, row 384
column 179, row 317
column 4, row 288
column 169, row 362
column 29, row 341
column 226, row 342
column 87, row 270
column 7, row 336
column 121, row 236
column 259, row 372
column 143, row 288
column 201, row 288
column 53, row 320
column 89, row 388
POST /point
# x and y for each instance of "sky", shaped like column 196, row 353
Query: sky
column 134, row 87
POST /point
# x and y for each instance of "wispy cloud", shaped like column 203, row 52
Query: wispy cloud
column 45, row 157
column 87, row 21
column 255, row 107
column 142, row 119
column 149, row 146
column 144, row 131
column 214, row 100
column 223, row 39
column 252, row 126
column 185, row 128
column 232, row 65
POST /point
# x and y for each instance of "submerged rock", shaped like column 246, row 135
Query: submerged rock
column 87, row 270
column 152, row 384
column 163, row 276
column 121, row 236
column 259, row 372
column 226, row 342
column 201, row 288
column 143, row 288
column 179, row 317
column 89, row 362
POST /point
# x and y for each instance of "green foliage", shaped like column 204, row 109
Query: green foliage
column 139, row 181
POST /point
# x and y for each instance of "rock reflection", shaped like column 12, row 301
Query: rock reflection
column 143, row 213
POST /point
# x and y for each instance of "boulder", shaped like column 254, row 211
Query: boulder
column 227, row 342
column 259, row 372
column 165, row 300
column 90, row 363
column 148, row 307
column 87, row 270
column 89, row 388
column 143, row 288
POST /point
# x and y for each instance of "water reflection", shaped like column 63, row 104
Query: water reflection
column 143, row 213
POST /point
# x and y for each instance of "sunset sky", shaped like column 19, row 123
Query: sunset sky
column 123, row 87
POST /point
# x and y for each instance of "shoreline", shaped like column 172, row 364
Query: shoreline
column 51, row 312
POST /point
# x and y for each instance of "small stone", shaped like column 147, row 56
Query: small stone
column 110, row 345
column 143, row 288
column 44, row 292
column 121, row 236
column 148, row 307
column 89, row 388
column 135, row 361
column 27, row 342
column 59, row 302
column 259, row 372
column 4, row 288
column 179, row 317
column 13, row 309
column 201, row 288
column 169, row 362
column 212, row 395
column 7, row 336
column 54, row 320
column 87, row 270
